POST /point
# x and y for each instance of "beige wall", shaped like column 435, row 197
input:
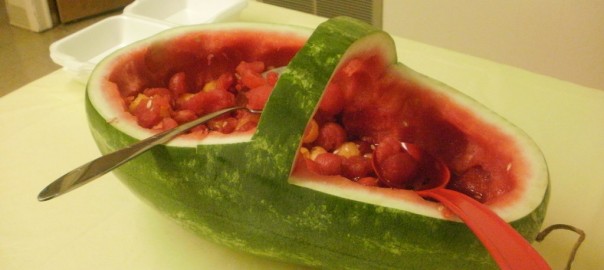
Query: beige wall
column 558, row 38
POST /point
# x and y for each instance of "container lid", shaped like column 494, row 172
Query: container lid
column 183, row 12
column 79, row 52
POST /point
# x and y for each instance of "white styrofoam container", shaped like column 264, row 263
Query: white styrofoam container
column 79, row 52
column 186, row 12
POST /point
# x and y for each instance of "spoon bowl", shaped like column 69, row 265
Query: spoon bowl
column 106, row 163
column 507, row 247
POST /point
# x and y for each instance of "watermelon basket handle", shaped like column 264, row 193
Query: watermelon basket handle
column 505, row 245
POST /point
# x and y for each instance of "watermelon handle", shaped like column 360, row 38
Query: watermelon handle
column 507, row 247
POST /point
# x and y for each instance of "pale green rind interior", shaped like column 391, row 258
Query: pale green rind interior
column 255, row 209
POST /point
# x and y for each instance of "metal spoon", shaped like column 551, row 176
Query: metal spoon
column 507, row 247
column 104, row 164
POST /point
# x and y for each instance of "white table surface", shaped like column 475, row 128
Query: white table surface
column 44, row 133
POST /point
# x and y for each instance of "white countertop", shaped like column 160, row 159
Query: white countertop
column 44, row 134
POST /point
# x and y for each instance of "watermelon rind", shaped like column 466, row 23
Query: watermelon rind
column 239, row 193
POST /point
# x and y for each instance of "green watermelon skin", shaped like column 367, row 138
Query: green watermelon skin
column 238, row 195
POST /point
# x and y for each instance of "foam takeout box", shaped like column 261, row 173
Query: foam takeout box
column 79, row 52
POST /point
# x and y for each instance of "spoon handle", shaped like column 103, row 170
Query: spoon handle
column 104, row 164
column 507, row 247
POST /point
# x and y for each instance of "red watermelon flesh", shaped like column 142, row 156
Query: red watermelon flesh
column 370, row 101
column 378, row 103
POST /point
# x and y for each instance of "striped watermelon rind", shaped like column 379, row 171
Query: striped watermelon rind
column 240, row 193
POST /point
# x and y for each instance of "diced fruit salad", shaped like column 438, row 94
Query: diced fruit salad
column 327, row 148
column 167, row 106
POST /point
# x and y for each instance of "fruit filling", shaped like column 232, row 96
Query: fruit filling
column 360, row 118
column 166, row 106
